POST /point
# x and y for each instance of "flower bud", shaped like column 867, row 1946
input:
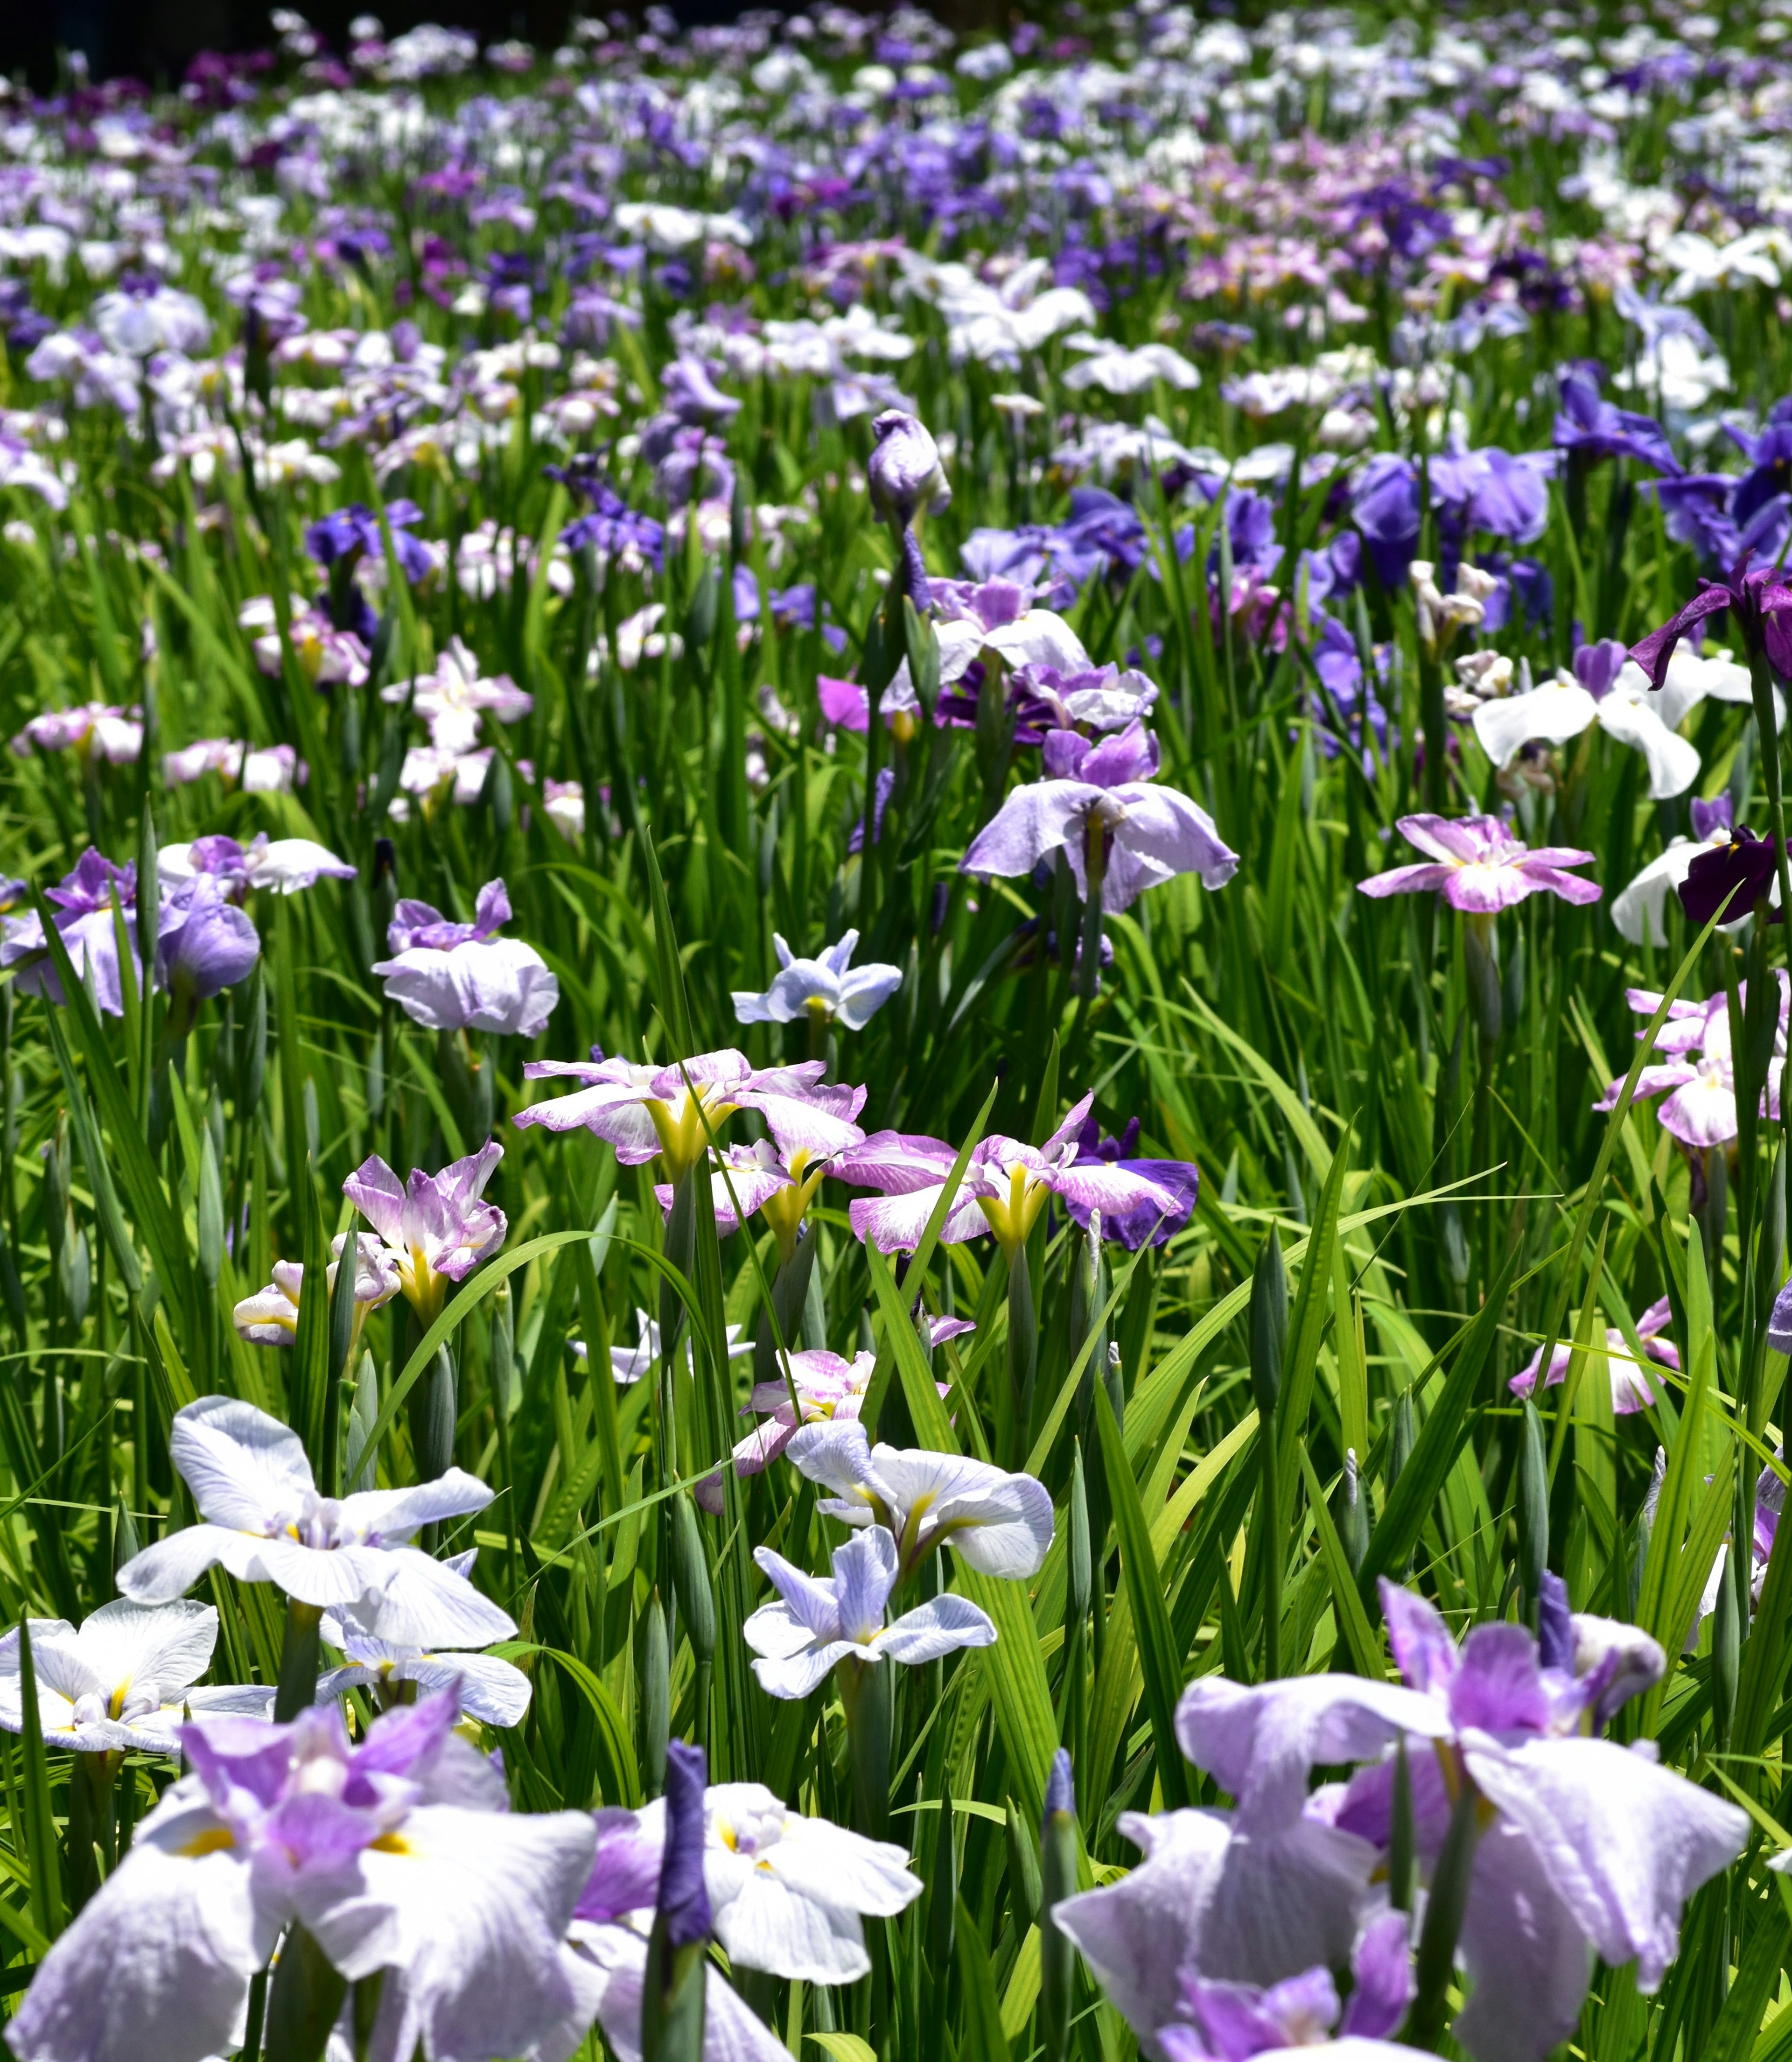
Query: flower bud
column 904, row 475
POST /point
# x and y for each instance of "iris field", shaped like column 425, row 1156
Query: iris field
column 891, row 1018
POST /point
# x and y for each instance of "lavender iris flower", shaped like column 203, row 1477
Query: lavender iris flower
column 642, row 1111
column 463, row 976
column 281, row 865
column 1006, row 1186
column 820, row 988
column 1231, row 2022
column 206, row 944
column 484, row 1687
column 1097, row 805
column 1695, row 1071
column 1588, row 1847
column 1478, row 866
column 84, row 903
column 1385, row 509
column 819, row 1622
column 399, row 1854
column 262, row 1520
column 1630, row 1386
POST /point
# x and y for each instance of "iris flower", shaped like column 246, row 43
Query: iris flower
column 645, row 1110
column 436, row 1228
column 120, row 1685
column 463, row 976
column 399, row 1854
column 262, row 1520
column 818, row 1621
column 1479, row 867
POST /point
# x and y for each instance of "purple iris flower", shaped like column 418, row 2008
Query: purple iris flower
column 1098, row 805
column 1491, row 491
column 1385, row 509
column 1697, row 512
column 346, row 535
column 1141, row 1221
column 1584, row 1847
column 613, row 530
column 1101, row 532
column 398, row 1854
column 1760, row 602
column 1478, row 866
column 1231, row 2022
column 1595, row 428
column 84, row 900
column 1743, row 869
column 206, row 943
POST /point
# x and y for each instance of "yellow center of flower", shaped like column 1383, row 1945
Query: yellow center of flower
column 1012, row 1219
column 214, row 1840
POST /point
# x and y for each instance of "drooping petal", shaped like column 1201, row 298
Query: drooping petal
column 1673, row 762
column 1624, row 1842
column 1528, row 1959
column 1035, row 821
column 1554, row 713
column 155, row 1969
column 469, row 1909
column 1261, row 1743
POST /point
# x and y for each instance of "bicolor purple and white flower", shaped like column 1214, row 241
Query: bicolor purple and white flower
column 1608, row 689
column 454, row 698
column 1629, row 1386
column 435, row 1227
column 653, row 1861
column 645, row 1110
column 1006, row 1185
column 1696, row 1074
column 1478, row 866
column 463, row 976
column 816, row 1388
column 282, row 866
column 818, row 1621
column 1639, row 912
column 97, row 730
column 1584, row 1848
column 262, row 1520
column 788, row 1894
column 399, row 1854
column 1099, row 805
column 485, row 1687
column 270, row 1317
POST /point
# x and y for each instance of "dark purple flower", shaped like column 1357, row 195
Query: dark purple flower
column 1385, row 509
column 1760, row 601
column 1597, row 429
column 683, row 1900
column 1738, row 874
column 346, row 535
column 1141, row 1226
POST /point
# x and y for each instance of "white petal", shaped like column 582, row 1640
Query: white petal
column 155, row 1969
column 1624, row 1841
column 1673, row 762
column 245, row 1469
column 167, row 1644
column 470, row 1907
column 1553, row 714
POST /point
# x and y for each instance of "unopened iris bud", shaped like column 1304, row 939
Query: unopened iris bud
column 904, row 475
column 1057, row 1957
